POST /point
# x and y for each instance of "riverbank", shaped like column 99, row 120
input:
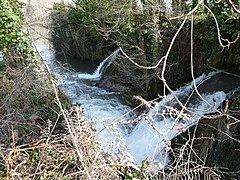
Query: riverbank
column 147, row 39
column 34, row 126
column 215, row 139
column 42, row 135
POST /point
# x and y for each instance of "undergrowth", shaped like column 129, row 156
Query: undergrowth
column 43, row 136
column 35, row 142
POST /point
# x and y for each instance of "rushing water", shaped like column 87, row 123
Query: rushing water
column 100, row 105
column 1, row 56
column 158, row 124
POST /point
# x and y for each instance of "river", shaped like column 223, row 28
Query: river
column 149, row 137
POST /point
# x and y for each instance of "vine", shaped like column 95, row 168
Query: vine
column 13, row 42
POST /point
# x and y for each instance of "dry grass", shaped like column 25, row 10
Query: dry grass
column 41, row 138
column 55, row 157
column 35, row 142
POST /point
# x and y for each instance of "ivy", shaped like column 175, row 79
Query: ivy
column 10, row 23
column 12, row 38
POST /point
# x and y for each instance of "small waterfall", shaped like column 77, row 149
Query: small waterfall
column 101, row 68
column 151, row 136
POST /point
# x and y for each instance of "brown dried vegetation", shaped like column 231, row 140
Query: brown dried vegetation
column 35, row 142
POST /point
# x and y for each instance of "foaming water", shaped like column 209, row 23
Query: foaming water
column 101, row 106
column 101, row 68
column 149, row 138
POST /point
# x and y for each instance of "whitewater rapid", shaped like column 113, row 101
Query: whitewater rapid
column 149, row 138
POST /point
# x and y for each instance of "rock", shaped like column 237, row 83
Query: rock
column 95, row 83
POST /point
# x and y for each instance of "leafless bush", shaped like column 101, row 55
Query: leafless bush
column 55, row 156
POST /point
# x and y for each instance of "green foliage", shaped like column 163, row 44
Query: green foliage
column 3, row 171
column 10, row 22
column 129, row 173
column 12, row 39
column 227, row 19
column 91, row 29
column 73, row 35
column 34, row 156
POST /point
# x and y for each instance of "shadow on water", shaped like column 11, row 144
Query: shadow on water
column 226, row 81
column 78, row 65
